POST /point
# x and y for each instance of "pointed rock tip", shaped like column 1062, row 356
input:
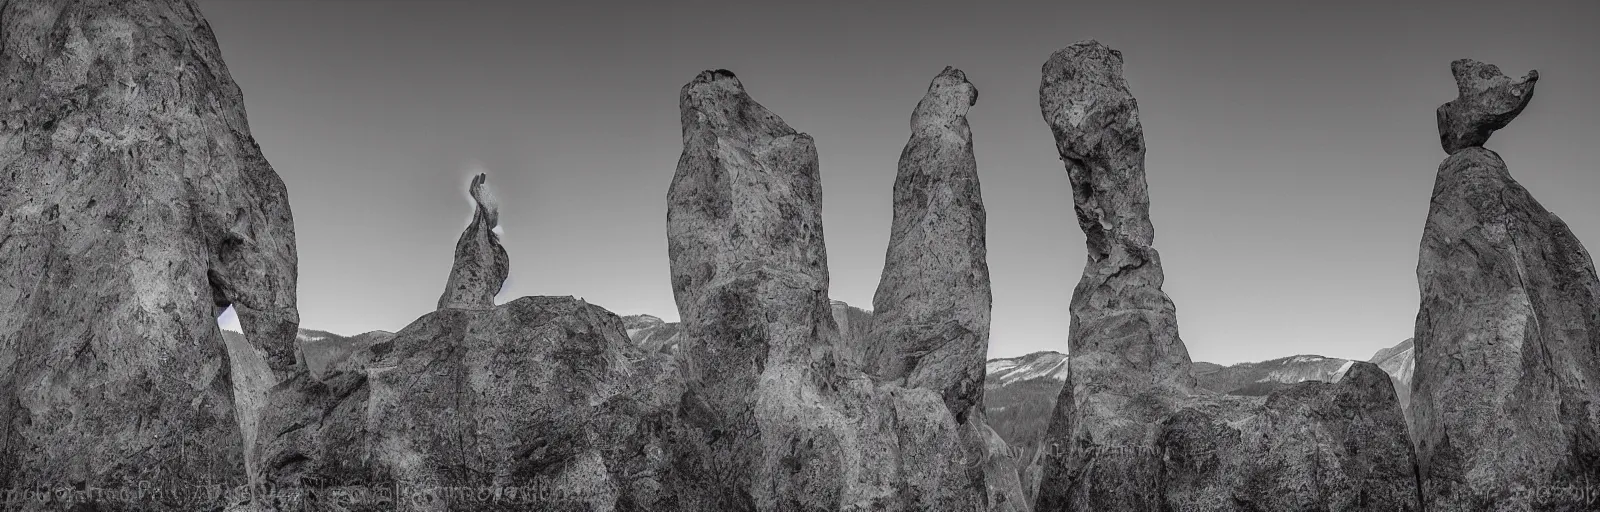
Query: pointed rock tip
column 1088, row 55
column 717, row 76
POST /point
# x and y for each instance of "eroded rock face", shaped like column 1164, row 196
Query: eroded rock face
column 481, row 264
column 134, row 206
column 772, row 417
column 1506, row 397
column 1131, row 431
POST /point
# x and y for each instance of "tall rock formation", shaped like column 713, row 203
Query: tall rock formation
column 481, row 264
column 1506, row 399
column 134, row 207
column 749, row 272
column 1128, row 367
column 930, row 323
column 541, row 403
column 772, row 417
column 1131, row 430
column 931, row 311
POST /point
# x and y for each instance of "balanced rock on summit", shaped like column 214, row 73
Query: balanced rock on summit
column 134, row 207
column 1506, row 396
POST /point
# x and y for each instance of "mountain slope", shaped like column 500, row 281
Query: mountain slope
column 1021, row 391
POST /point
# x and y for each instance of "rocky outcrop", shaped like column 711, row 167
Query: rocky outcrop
column 1310, row 446
column 134, row 207
column 481, row 263
column 772, row 417
column 1131, row 429
column 1506, row 400
column 541, row 403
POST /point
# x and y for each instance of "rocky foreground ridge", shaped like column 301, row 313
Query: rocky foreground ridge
column 137, row 208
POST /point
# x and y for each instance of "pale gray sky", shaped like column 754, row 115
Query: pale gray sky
column 1292, row 145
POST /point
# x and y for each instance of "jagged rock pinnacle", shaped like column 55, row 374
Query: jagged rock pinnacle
column 481, row 263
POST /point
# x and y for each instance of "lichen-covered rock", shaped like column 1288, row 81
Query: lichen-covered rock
column 1131, row 431
column 134, row 206
column 1487, row 101
column 481, row 264
column 772, row 417
column 1506, row 397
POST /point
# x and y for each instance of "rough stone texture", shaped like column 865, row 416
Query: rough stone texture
column 1488, row 101
column 771, row 419
column 1128, row 368
column 1506, row 398
column 134, row 205
column 1131, row 430
column 931, row 311
column 481, row 263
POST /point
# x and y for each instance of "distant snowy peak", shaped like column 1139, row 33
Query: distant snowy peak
column 1038, row 365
